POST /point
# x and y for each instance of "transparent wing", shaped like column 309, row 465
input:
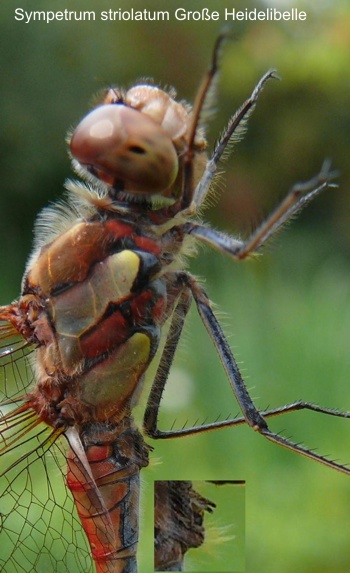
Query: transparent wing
column 15, row 372
column 39, row 528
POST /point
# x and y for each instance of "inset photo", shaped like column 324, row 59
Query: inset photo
column 199, row 526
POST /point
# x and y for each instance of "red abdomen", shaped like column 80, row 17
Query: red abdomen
column 106, row 492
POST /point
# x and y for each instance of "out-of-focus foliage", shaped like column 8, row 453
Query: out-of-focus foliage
column 289, row 312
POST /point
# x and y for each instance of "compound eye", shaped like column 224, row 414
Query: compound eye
column 120, row 144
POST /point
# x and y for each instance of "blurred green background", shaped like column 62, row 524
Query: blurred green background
column 287, row 314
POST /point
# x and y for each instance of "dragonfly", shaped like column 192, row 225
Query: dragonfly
column 106, row 278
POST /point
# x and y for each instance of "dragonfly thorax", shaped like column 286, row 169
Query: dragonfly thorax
column 94, row 301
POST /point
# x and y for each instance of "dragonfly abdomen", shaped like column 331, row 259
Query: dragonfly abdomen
column 104, row 481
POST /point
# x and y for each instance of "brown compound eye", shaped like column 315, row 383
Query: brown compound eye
column 120, row 144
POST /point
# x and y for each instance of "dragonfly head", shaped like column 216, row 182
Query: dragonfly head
column 134, row 143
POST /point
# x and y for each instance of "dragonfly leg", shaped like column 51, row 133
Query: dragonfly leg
column 233, row 133
column 172, row 340
column 204, row 95
column 298, row 197
column 251, row 415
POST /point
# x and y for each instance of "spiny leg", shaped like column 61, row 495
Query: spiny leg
column 171, row 343
column 251, row 415
column 203, row 98
column 233, row 132
column 298, row 197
